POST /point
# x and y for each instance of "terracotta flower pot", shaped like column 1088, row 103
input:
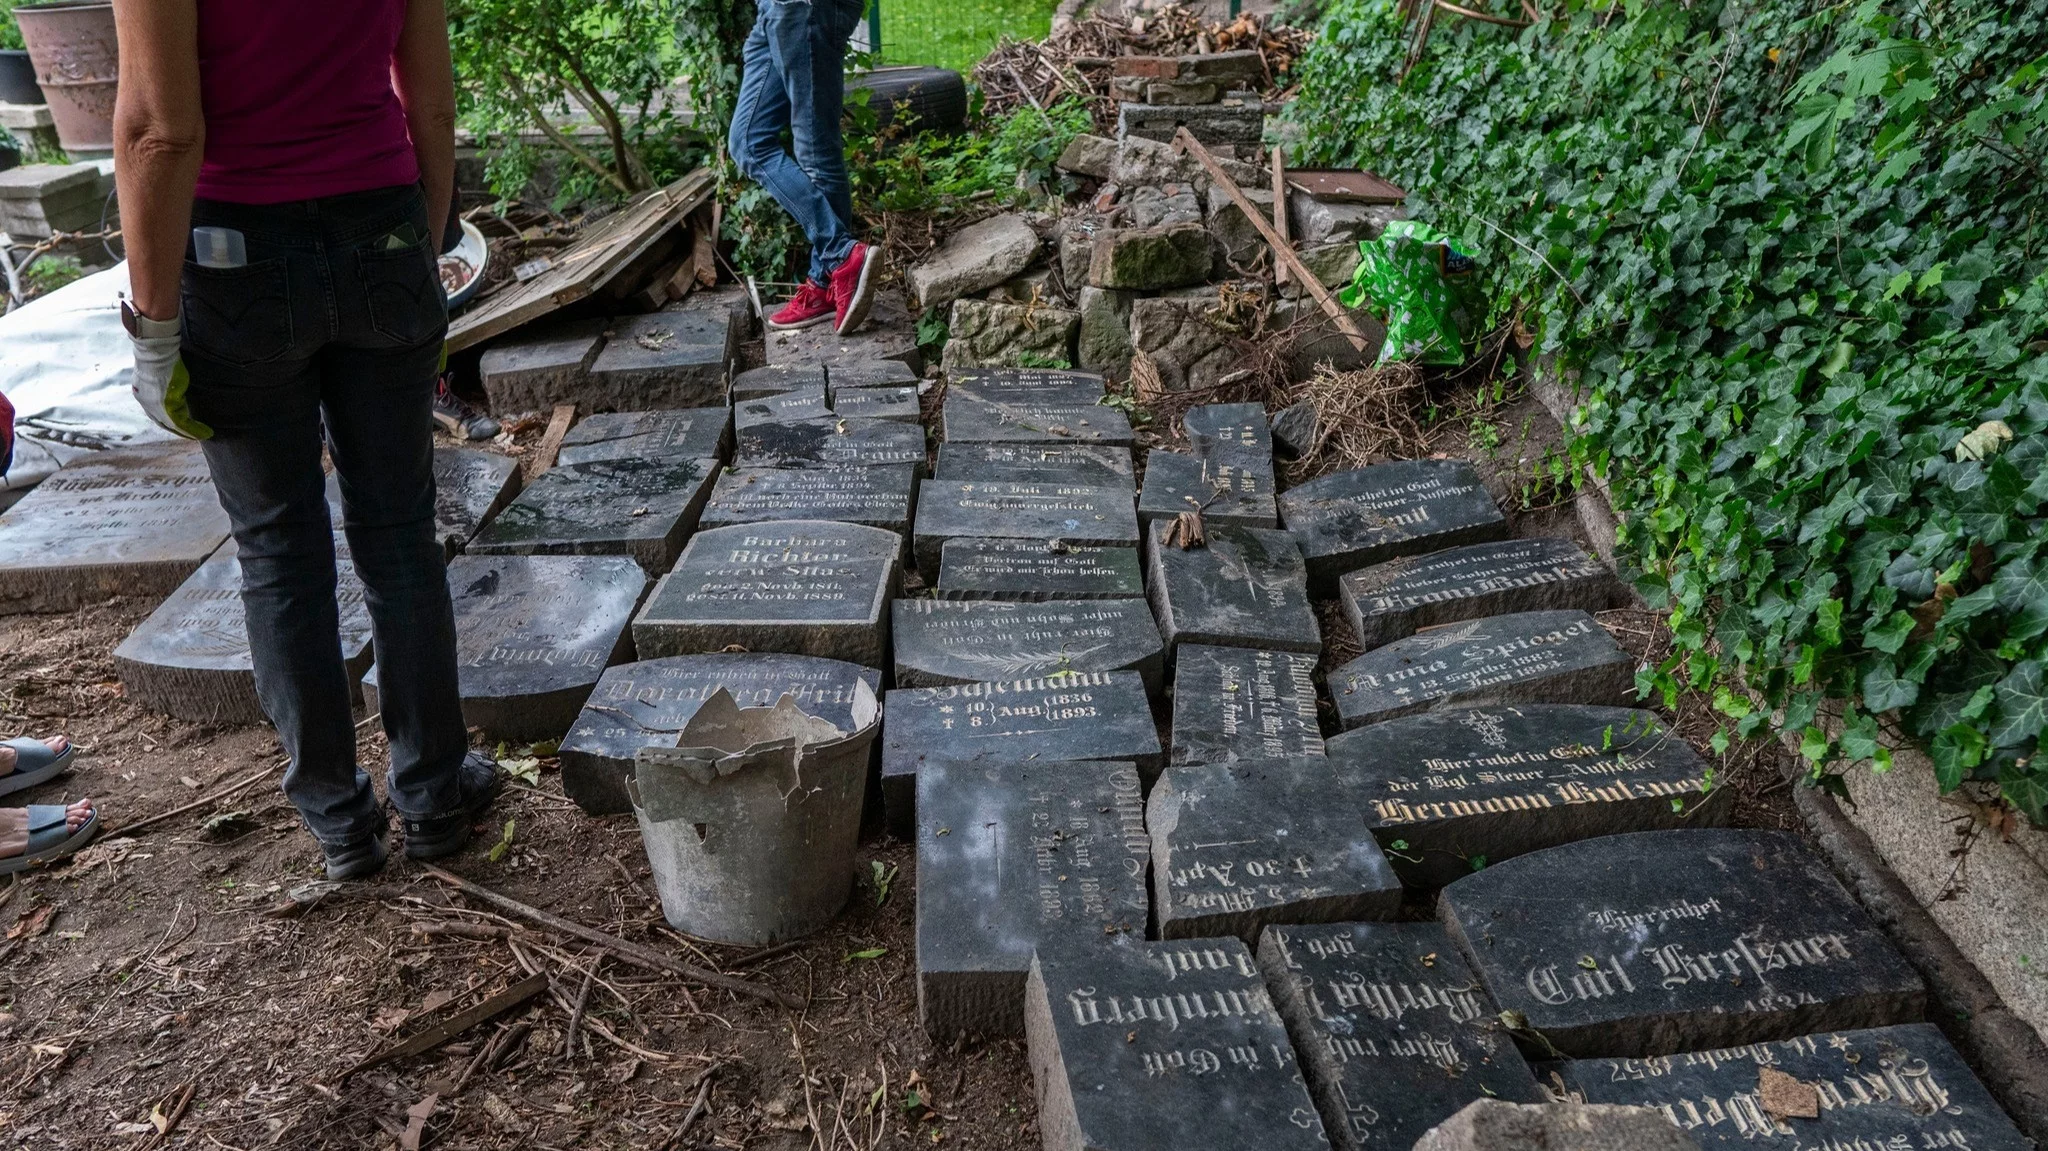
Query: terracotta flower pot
column 72, row 45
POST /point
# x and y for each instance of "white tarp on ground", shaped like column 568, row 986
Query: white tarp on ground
column 65, row 364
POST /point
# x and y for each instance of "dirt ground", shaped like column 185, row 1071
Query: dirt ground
column 154, row 966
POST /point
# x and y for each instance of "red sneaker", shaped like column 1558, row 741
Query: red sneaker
column 853, row 288
column 812, row 305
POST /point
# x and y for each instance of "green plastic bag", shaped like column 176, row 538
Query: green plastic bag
column 1422, row 283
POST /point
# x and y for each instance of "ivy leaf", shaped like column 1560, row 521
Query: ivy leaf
column 2022, row 706
column 1884, row 689
column 1957, row 750
column 1889, row 636
column 2027, row 791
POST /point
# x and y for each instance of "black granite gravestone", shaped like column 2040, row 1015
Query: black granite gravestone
column 878, row 497
column 540, row 366
column 1035, row 570
column 869, row 373
column 1388, row 601
column 532, row 635
column 126, row 521
column 1232, row 703
column 774, row 379
column 1136, row 1046
column 1233, row 433
column 470, row 488
column 802, row 587
column 1092, row 465
column 1665, row 941
column 693, row 433
column 1060, row 718
column 967, row 418
column 1394, row 1032
column 646, row 704
column 1224, row 492
column 830, row 443
column 1531, row 657
column 884, row 402
column 190, row 658
column 641, row 507
column 940, row 642
column 1245, row 587
column 662, row 360
column 1028, row 385
column 1236, row 846
column 1010, row 855
column 803, row 404
column 1874, row 1090
column 1348, row 520
column 1449, row 788
column 1071, row 514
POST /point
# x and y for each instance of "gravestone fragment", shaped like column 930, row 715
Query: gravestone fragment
column 878, row 497
column 1072, row 514
column 1092, row 465
column 870, row 374
column 535, row 370
column 1349, row 520
column 638, row 507
column 1233, row 703
column 1884, row 1087
column 1661, row 941
column 1036, row 570
column 1390, row 600
column 532, row 635
column 190, row 658
column 1451, row 788
column 692, row 433
column 1226, row 494
column 1497, row 1125
column 830, row 443
column 1011, row 855
column 1186, row 1026
column 1237, row 846
column 967, row 419
column 646, row 704
column 802, row 587
column 1394, row 1032
column 1529, row 657
column 886, row 402
column 470, row 487
column 1027, row 386
column 774, row 379
column 1294, row 429
column 1232, row 432
column 1068, row 717
column 126, row 521
column 1244, row 587
column 802, row 404
column 890, row 333
column 940, row 642
column 662, row 360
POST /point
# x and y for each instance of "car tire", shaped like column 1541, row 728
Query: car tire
column 930, row 99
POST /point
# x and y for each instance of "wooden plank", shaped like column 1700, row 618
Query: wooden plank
column 543, row 456
column 588, row 265
column 1186, row 143
column 1345, row 187
column 455, row 1025
column 1280, row 209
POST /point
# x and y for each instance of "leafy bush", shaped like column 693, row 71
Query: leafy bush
column 1798, row 256
column 10, row 33
column 1001, row 162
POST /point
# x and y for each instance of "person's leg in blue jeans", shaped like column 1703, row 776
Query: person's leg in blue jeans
column 780, row 89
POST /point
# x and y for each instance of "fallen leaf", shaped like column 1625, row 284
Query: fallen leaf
column 389, row 1019
column 416, row 1118
column 435, row 1001
column 503, row 847
column 525, row 769
column 32, row 922
column 1784, row 1097
column 870, row 953
column 1986, row 440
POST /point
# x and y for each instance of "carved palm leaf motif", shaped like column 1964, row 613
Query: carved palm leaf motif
column 1021, row 663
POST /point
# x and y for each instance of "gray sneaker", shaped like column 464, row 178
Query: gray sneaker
column 460, row 418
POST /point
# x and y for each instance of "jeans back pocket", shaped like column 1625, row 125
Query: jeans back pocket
column 402, row 292
column 238, row 316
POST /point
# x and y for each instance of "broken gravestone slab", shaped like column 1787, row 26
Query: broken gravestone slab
column 897, row 402
column 1232, row 703
column 640, row 507
column 1388, row 601
column 1453, row 790
column 1530, row 657
column 1231, row 432
column 1092, row 465
column 1071, row 514
column 1244, row 587
column 470, row 488
column 692, row 433
column 940, row 642
column 774, row 379
column 532, row 635
column 1349, row 520
column 190, row 659
column 1036, row 570
column 1394, row 1032
column 646, row 704
column 1884, row 1087
column 1011, row 855
column 1663, row 941
column 1069, row 717
column 126, row 521
column 1185, row 1025
column 663, row 360
column 542, row 366
column 1225, row 493
column 1052, row 386
column 970, row 419
column 878, row 497
column 890, row 333
column 802, row 587
column 1237, row 846
column 870, row 374
column 786, row 407
column 1497, row 1125
column 830, row 443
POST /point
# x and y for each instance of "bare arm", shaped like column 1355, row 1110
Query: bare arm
column 159, row 134
column 424, row 74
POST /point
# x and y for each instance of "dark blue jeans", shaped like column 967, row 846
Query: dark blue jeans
column 795, row 79
column 333, row 331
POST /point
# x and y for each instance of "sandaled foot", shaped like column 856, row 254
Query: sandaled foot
column 26, row 762
column 476, row 783
column 42, row 832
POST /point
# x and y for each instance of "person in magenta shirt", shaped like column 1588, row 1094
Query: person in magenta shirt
column 285, row 172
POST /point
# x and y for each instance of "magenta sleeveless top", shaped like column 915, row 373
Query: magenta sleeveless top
column 299, row 100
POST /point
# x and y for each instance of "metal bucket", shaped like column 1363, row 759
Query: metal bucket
column 750, row 825
column 72, row 47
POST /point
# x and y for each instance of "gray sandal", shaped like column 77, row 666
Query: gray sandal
column 49, row 837
column 34, row 762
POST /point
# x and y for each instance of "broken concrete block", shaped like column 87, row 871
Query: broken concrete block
column 1106, row 330
column 38, row 199
column 1209, row 123
column 1161, row 206
column 1320, row 222
column 1317, row 340
column 1497, row 1125
column 1188, row 349
column 1031, row 287
column 1245, row 68
column 1332, row 265
column 1237, row 238
column 1147, row 67
column 730, row 301
column 523, row 373
column 974, row 259
column 1182, row 92
column 1294, row 430
column 987, row 334
column 1087, row 156
column 1077, row 246
column 1140, row 161
column 1147, row 259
